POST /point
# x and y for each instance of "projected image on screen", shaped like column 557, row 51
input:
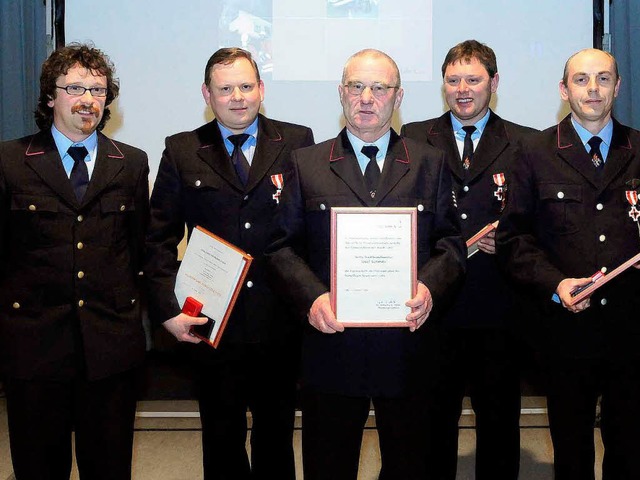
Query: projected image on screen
column 247, row 23
column 352, row 8
column 310, row 41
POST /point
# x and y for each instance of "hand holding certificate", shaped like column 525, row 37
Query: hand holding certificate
column 211, row 273
column 472, row 243
column 599, row 279
column 373, row 265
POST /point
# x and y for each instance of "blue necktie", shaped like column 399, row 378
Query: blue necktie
column 596, row 155
column 79, row 173
column 372, row 170
column 467, row 151
column 238, row 159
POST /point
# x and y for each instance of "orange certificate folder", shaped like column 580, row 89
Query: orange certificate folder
column 472, row 243
column 599, row 279
column 209, row 280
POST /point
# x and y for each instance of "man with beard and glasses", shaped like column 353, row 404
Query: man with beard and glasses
column 73, row 213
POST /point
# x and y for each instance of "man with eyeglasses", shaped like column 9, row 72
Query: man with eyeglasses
column 345, row 370
column 482, row 354
column 73, row 213
column 572, row 217
column 227, row 177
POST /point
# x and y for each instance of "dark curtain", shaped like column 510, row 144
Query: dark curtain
column 625, row 35
column 23, row 48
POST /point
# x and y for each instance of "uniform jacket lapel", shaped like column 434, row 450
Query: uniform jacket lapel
column 620, row 153
column 396, row 166
column 109, row 162
column 43, row 157
column 441, row 136
column 270, row 144
column 214, row 153
column 492, row 143
column 343, row 162
column 572, row 151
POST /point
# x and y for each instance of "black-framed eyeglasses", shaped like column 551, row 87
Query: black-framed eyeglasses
column 79, row 90
column 379, row 90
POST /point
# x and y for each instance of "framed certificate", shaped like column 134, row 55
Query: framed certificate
column 600, row 279
column 211, row 273
column 373, row 265
column 472, row 243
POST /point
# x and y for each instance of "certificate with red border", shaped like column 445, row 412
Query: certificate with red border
column 373, row 265
column 599, row 279
column 212, row 272
column 472, row 243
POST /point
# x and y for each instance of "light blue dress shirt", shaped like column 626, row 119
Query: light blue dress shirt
column 249, row 147
column 382, row 143
column 475, row 136
column 63, row 144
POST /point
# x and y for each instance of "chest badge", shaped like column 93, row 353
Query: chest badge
column 278, row 181
column 501, row 191
column 632, row 198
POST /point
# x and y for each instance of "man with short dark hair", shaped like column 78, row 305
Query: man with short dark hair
column 73, row 213
column 344, row 370
column 572, row 213
column 226, row 177
column 481, row 352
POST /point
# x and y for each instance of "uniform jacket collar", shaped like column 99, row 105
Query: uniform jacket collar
column 492, row 143
column 344, row 164
column 43, row 157
column 268, row 147
column 572, row 151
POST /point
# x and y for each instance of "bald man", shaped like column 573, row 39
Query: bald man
column 572, row 212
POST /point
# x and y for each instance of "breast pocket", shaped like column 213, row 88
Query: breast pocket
column 318, row 220
column 200, row 182
column 34, row 219
column 115, row 210
column 425, row 210
column 560, row 208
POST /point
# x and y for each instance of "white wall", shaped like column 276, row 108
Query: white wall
column 160, row 48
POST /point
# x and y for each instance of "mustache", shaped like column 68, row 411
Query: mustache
column 92, row 108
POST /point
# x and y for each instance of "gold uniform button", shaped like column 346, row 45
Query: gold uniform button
column 80, row 274
column 80, row 245
column 16, row 305
column 80, row 218
column 122, row 208
column 32, row 208
column 81, row 303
